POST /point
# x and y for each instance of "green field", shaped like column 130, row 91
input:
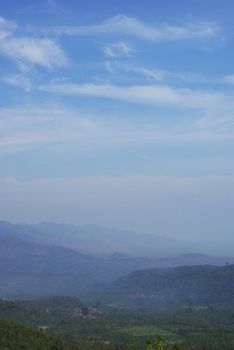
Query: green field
column 147, row 331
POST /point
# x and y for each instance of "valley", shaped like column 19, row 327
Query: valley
column 60, row 298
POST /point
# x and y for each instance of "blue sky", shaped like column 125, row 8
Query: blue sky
column 116, row 93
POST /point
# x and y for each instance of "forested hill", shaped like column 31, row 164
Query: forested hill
column 16, row 336
column 197, row 285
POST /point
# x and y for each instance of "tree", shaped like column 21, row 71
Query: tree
column 161, row 344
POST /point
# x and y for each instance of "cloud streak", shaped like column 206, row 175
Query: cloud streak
column 6, row 28
column 120, row 49
column 129, row 26
column 18, row 80
column 140, row 72
column 149, row 94
column 24, row 128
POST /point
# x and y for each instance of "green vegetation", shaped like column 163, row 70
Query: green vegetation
column 146, row 330
column 166, row 288
column 52, row 324
column 15, row 336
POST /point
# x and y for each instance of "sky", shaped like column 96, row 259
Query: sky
column 119, row 113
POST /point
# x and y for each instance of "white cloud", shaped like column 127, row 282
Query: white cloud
column 29, row 49
column 38, row 51
column 119, row 49
column 210, row 113
column 124, row 25
column 19, row 80
column 149, row 74
column 29, row 127
column 6, row 28
column 156, row 74
column 151, row 94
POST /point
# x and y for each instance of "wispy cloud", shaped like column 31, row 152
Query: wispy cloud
column 19, row 80
column 31, row 126
column 55, row 7
column 43, row 7
column 145, row 74
column 29, row 49
column 129, row 26
column 151, row 94
column 6, row 28
column 119, row 49
column 26, row 127
column 38, row 51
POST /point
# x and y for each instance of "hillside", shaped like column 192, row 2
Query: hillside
column 101, row 241
column 97, row 240
column 16, row 336
column 29, row 270
column 188, row 285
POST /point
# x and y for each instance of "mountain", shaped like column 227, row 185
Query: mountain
column 101, row 240
column 186, row 285
column 108, row 243
column 30, row 269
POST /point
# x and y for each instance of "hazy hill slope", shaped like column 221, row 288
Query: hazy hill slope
column 101, row 240
column 104, row 241
column 199, row 285
column 28, row 270
column 31, row 270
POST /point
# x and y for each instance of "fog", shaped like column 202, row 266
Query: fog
column 195, row 210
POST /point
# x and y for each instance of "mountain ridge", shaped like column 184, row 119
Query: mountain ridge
column 167, row 287
column 29, row 269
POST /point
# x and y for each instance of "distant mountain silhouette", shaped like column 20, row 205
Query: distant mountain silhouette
column 99, row 240
column 31, row 269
